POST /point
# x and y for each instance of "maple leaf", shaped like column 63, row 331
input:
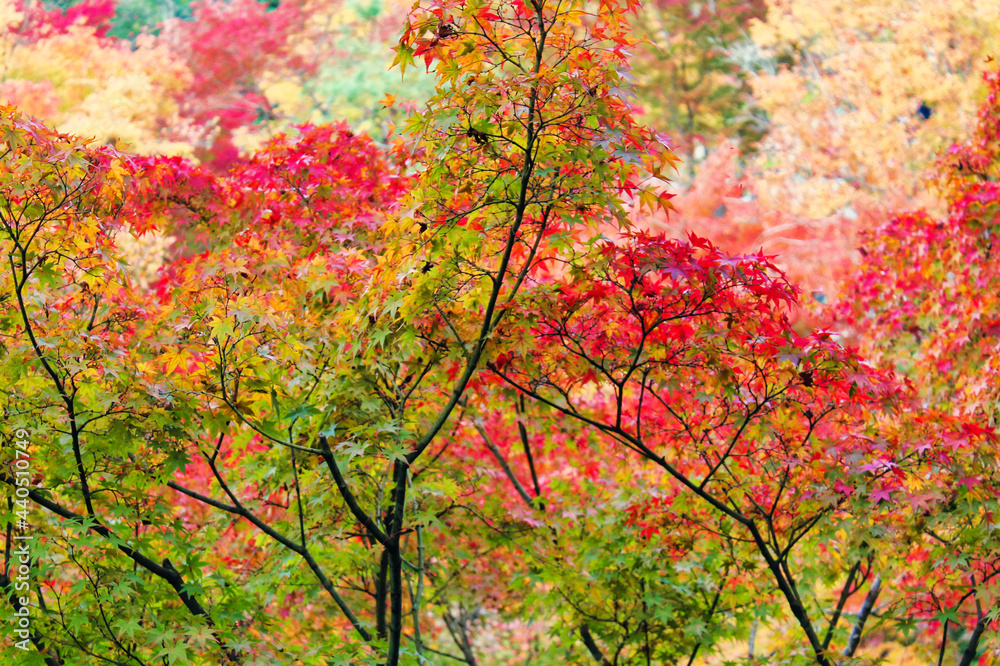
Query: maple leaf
column 881, row 494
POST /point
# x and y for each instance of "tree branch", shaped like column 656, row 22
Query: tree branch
column 592, row 647
column 972, row 649
column 505, row 467
column 866, row 610
column 844, row 596
column 166, row 570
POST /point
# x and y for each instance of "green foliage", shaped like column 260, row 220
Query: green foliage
column 135, row 17
column 689, row 81
column 352, row 84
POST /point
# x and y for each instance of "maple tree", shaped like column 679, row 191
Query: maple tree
column 455, row 399
column 887, row 84
column 924, row 301
column 284, row 341
column 74, row 350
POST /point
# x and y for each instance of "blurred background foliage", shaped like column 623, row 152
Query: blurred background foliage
column 832, row 108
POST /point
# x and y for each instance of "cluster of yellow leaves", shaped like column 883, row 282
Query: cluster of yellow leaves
column 85, row 85
column 845, row 128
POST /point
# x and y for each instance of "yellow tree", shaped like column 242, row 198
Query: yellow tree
column 82, row 82
column 861, row 94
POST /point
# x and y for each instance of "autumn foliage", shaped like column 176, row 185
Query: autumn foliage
column 923, row 301
column 483, row 392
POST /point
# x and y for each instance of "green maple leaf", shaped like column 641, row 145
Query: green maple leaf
column 128, row 626
column 200, row 635
column 176, row 653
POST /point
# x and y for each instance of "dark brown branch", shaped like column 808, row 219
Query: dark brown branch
column 345, row 491
column 866, row 610
column 972, row 649
column 944, row 642
column 592, row 646
column 527, row 451
column 381, row 589
column 166, row 570
column 708, row 618
column 788, row 591
column 495, row 450
column 457, row 629
column 844, row 596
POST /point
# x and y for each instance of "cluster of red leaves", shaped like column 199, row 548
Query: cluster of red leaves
column 658, row 516
column 226, row 93
column 925, row 299
column 320, row 188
